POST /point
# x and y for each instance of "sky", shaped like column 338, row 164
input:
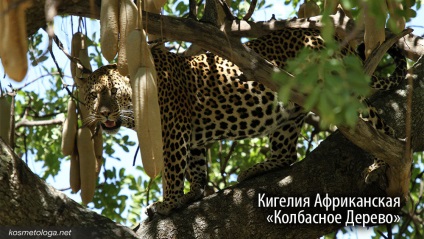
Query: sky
column 64, row 32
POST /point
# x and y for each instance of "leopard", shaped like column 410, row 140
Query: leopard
column 205, row 98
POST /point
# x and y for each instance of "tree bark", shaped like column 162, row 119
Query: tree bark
column 26, row 201
column 335, row 167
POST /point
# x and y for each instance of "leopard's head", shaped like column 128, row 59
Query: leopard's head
column 107, row 97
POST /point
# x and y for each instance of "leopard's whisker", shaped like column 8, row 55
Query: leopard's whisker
column 91, row 120
column 127, row 117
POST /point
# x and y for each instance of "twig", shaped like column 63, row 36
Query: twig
column 57, row 65
column 135, row 155
column 36, row 79
column 148, row 191
column 251, row 10
column 193, row 9
column 377, row 54
column 389, row 231
column 228, row 14
column 227, row 158
column 60, row 73
column 71, row 58
column 382, row 234
column 64, row 189
column 28, row 123
column 408, row 121
column 85, row 71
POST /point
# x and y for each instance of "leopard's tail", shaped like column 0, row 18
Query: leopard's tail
column 398, row 75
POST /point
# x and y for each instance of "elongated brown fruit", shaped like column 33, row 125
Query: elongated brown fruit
column 127, row 22
column 83, row 56
column 158, row 3
column 375, row 31
column 396, row 22
column 147, row 121
column 331, row 3
column 99, row 163
column 138, row 53
column 14, row 45
column 76, row 44
column 79, row 50
column 98, row 150
column 74, row 173
column 82, row 110
column 109, row 28
column 4, row 119
column 87, row 164
column 69, row 131
column 98, row 143
column 155, row 6
column 308, row 9
column 133, row 47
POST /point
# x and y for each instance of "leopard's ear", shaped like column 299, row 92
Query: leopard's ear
column 114, row 69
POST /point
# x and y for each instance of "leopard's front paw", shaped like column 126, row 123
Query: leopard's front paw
column 376, row 174
column 192, row 196
column 256, row 170
column 249, row 173
column 162, row 208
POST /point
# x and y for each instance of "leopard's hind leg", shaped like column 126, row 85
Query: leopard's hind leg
column 196, row 174
column 283, row 142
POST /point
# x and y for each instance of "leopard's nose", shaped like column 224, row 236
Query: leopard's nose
column 105, row 112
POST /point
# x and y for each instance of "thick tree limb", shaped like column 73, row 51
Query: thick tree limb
column 227, row 44
column 413, row 45
column 224, row 43
column 334, row 168
column 27, row 201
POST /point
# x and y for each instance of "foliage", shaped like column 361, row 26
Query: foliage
column 332, row 83
column 33, row 141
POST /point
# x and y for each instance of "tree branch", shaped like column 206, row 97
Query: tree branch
column 382, row 146
column 413, row 45
column 234, row 212
column 28, row 123
column 27, row 201
column 251, row 10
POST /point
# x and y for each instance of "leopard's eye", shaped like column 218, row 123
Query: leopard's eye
column 114, row 90
column 93, row 94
